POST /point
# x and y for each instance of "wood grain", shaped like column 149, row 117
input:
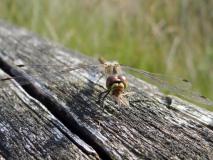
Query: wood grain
column 150, row 128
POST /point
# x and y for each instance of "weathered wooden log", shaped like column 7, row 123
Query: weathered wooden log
column 59, row 117
column 29, row 131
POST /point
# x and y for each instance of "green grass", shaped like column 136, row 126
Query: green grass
column 170, row 37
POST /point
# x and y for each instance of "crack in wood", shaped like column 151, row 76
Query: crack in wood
column 153, row 127
column 70, row 121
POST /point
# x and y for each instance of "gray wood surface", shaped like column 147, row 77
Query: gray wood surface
column 149, row 129
column 29, row 131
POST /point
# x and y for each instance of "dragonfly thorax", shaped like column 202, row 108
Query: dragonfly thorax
column 112, row 68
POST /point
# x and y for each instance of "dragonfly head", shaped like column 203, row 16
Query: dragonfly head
column 117, row 84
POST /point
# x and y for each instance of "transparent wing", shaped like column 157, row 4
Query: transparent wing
column 181, row 87
column 42, row 71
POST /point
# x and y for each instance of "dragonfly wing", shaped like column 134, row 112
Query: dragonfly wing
column 59, row 69
column 197, row 97
column 41, row 71
column 181, row 87
column 170, row 83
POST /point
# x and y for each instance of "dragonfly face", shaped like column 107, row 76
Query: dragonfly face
column 117, row 84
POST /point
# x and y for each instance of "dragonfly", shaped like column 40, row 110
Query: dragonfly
column 116, row 83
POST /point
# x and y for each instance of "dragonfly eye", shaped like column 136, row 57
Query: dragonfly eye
column 111, row 80
column 124, row 80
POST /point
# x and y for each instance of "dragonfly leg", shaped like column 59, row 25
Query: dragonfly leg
column 128, row 93
column 102, row 97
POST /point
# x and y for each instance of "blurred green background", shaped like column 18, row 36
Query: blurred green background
column 164, row 36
